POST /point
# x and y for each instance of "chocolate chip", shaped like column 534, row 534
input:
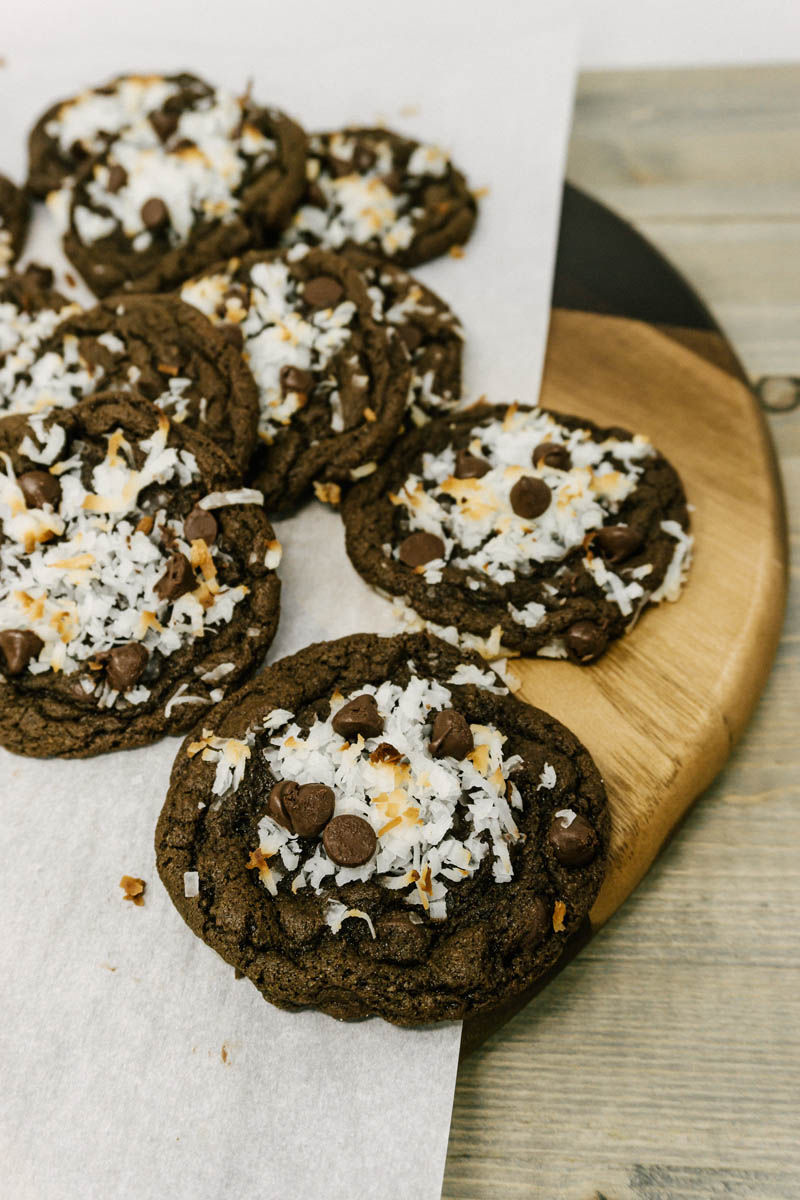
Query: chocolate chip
column 117, row 178
column 286, row 790
column 349, row 840
column 295, row 379
column 410, row 336
column 125, row 664
column 18, row 647
column 309, row 808
column 470, row 466
column 363, row 158
column 40, row 488
column 200, row 524
column 154, row 213
column 385, row 753
column 452, row 736
column 177, row 580
column 358, row 716
column 530, row 497
column 420, row 548
column 617, row 542
column 552, row 454
column 573, row 840
column 394, row 181
column 164, row 123
column 323, row 291
column 585, row 641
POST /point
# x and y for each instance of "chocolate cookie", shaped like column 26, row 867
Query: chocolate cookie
column 137, row 580
column 155, row 346
column 429, row 330
column 168, row 196
column 30, row 309
column 375, row 826
column 373, row 190
column 333, row 380
column 14, row 210
column 73, row 130
column 522, row 531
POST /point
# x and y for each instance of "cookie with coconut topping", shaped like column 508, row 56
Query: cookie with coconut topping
column 333, row 377
column 154, row 346
column 522, row 531
column 73, row 130
column 379, row 192
column 375, row 826
column 428, row 328
column 30, row 309
column 164, row 198
column 137, row 578
column 14, row 211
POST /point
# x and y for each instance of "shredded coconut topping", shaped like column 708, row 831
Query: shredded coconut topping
column 83, row 578
column 474, row 517
column 359, row 206
column 412, row 805
column 278, row 334
column 92, row 116
column 196, row 173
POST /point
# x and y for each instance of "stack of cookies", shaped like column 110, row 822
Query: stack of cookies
column 374, row 826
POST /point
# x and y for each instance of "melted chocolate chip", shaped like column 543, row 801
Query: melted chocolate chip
column 575, row 843
column 164, row 123
column 552, row 454
column 276, row 804
column 452, row 736
column 470, row 466
column 585, row 641
column 349, row 840
column 617, row 542
column 530, row 497
column 358, row 716
column 200, row 524
column 177, row 580
column 154, row 213
column 117, row 178
column 40, row 488
column 18, row 647
column 420, row 548
column 125, row 665
column 385, row 753
column 309, row 808
column 295, row 379
column 323, row 291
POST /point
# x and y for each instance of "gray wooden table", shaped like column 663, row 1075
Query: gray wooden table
column 664, row 1063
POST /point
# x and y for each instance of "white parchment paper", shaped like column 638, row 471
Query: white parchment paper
column 131, row 1061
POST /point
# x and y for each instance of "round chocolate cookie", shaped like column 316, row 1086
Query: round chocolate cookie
column 14, row 211
column 522, row 531
column 373, row 190
column 375, row 827
column 166, row 197
column 73, row 130
column 429, row 330
column 137, row 581
column 154, row 346
column 333, row 379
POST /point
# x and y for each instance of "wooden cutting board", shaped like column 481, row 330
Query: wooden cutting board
column 662, row 709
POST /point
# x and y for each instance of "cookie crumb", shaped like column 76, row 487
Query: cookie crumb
column 133, row 889
column 328, row 493
column 559, row 912
column 224, row 1053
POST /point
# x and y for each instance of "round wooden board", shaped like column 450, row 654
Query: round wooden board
column 662, row 709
